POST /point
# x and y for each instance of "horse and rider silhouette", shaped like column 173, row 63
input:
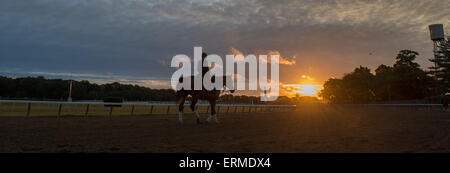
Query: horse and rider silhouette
column 211, row 96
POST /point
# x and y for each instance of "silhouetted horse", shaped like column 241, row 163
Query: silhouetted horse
column 210, row 96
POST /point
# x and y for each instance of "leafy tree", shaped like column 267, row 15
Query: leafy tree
column 334, row 91
column 355, row 87
column 384, row 77
column 358, row 85
column 410, row 82
column 441, row 71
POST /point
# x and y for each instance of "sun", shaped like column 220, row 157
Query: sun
column 308, row 89
column 311, row 90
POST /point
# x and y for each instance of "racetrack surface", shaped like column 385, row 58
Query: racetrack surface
column 310, row 129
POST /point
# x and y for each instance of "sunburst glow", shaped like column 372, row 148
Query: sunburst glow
column 308, row 89
column 302, row 89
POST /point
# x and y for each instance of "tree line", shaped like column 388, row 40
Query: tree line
column 40, row 88
column 404, row 80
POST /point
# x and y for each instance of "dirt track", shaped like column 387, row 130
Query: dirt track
column 310, row 129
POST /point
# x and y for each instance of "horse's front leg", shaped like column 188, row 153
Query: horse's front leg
column 181, row 108
column 193, row 103
column 213, row 115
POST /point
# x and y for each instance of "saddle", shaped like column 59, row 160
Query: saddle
column 213, row 80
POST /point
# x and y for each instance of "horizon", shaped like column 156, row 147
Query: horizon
column 290, row 95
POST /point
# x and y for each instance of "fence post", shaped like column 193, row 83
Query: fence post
column 218, row 109
column 87, row 111
column 228, row 109
column 59, row 109
column 168, row 107
column 110, row 111
column 132, row 110
column 235, row 108
column 151, row 109
column 28, row 109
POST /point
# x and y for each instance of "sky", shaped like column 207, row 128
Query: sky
column 133, row 41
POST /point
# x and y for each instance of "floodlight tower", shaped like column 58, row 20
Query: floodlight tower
column 437, row 35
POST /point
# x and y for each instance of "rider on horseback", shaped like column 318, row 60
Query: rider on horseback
column 210, row 96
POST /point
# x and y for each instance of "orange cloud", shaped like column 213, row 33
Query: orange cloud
column 283, row 60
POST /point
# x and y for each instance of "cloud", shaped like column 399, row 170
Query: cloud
column 308, row 77
column 135, row 37
column 163, row 62
column 269, row 53
column 292, row 90
column 157, row 83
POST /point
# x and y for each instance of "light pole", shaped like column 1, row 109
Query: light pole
column 70, row 91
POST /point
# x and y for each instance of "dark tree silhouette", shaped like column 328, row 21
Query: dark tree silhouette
column 442, row 70
column 39, row 88
column 404, row 81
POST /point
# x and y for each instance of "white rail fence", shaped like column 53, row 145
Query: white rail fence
column 92, row 108
column 414, row 106
column 25, row 107
column 424, row 107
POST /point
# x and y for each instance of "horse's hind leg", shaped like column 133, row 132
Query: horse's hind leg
column 213, row 111
column 180, row 108
column 193, row 103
